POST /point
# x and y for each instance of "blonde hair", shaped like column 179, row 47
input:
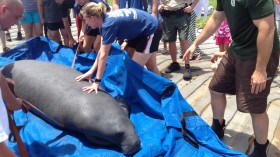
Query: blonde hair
column 93, row 9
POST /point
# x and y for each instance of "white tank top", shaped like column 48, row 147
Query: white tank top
column 4, row 123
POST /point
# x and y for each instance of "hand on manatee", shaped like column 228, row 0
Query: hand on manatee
column 91, row 88
column 87, row 75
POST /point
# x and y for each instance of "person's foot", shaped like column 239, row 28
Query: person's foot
column 187, row 73
column 5, row 49
column 218, row 128
column 259, row 149
column 172, row 67
column 164, row 51
column 197, row 57
column 19, row 36
column 8, row 37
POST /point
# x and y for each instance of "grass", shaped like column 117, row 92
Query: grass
column 109, row 2
column 200, row 22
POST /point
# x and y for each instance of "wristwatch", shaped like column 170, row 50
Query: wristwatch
column 97, row 80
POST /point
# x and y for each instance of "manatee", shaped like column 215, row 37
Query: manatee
column 55, row 96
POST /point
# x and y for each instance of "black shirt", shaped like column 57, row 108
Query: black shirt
column 65, row 6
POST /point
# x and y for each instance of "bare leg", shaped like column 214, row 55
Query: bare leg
column 260, row 125
column 221, row 47
column 164, row 50
column 218, row 104
column 130, row 51
column 37, row 29
column 185, row 45
column 226, row 47
column 55, row 35
column 65, row 37
column 147, row 59
column 88, row 42
column 152, row 63
column 28, row 30
column 173, row 51
column 97, row 43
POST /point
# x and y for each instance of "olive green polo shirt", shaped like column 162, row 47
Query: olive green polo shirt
column 240, row 15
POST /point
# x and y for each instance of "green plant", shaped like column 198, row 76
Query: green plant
column 201, row 22
column 110, row 2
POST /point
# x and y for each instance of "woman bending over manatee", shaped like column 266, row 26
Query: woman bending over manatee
column 132, row 25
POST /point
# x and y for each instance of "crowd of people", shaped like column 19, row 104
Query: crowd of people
column 248, row 57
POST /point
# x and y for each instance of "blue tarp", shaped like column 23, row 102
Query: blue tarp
column 156, row 109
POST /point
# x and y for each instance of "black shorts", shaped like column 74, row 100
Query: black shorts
column 147, row 44
column 92, row 32
column 141, row 44
column 156, row 38
column 55, row 26
column 233, row 76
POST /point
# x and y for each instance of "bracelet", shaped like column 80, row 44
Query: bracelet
column 97, row 80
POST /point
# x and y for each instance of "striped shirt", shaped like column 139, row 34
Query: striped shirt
column 30, row 5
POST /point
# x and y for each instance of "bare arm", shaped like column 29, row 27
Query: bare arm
column 41, row 10
column 265, row 39
column 68, row 30
column 12, row 102
column 95, row 64
column 154, row 4
column 102, row 59
column 194, row 4
column 83, row 31
column 101, row 64
column 88, row 74
column 5, row 151
column 211, row 26
column 190, row 8
column 115, row 5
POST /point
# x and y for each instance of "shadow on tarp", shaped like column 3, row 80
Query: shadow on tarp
column 158, row 110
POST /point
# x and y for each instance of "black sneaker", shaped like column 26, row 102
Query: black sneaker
column 8, row 37
column 218, row 128
column 172, row 67
column 187, row 73
column 19, row 36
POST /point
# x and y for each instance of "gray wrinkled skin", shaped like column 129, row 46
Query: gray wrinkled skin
column 58, row 98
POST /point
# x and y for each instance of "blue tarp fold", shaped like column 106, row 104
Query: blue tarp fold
column 156, row 106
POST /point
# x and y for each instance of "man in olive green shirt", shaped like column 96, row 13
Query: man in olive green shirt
column 248, row 68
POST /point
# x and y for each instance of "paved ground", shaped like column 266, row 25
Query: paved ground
column 239, row 131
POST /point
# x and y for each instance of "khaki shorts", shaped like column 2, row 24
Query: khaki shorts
column 233, row 76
